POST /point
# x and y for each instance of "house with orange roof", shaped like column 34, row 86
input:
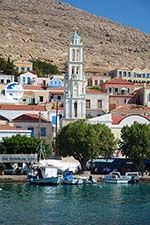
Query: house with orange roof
column 10, row 111
column 7, row 129
column 39, row 126
column 121, row 92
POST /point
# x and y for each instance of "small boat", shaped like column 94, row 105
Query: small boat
column 88, row 180
column 45, row 176
column 134, row 177
column 69, row 179
column 116, row 178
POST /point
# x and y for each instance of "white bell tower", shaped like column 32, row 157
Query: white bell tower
column 74, row 81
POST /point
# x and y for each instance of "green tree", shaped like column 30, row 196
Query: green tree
column 43, row 68
column 21, row 145
column 85, row 141
column 7, row 66
column 135, row 143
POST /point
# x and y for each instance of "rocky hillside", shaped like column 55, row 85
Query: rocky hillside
column 42, row 28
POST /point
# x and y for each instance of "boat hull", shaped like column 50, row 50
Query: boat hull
column 116, row 181
column 73, row 181
column 46, row 181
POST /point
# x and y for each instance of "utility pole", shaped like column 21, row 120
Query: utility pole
column 56, row 153
column 39, row 128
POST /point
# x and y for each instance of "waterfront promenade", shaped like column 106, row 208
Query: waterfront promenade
column 23, row 178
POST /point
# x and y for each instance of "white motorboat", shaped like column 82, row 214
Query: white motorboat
column 116, row 178
column 88, row 180
column 70, row 180
column 45, row 176
column 134, row 177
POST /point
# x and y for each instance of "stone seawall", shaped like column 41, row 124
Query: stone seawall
column 23, row 178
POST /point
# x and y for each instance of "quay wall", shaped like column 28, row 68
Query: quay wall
column 23, row 178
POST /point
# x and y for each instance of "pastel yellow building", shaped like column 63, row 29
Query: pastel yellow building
column 23, row 66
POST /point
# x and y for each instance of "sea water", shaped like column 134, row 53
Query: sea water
column 97, row 204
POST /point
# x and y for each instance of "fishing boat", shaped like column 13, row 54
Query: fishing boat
column 70, row 180
column 116, row 178
column 44, row 176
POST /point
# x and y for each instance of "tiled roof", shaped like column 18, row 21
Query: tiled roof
column 3, row 118
column 32, row 118
column 56, row 90
column 132, row 107
column 94, row 91
column 23, row 107
column 32, row 87
column 118, row 80
column 8, row 127
column 116, row 119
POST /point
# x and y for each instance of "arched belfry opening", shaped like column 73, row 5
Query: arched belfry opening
column 75, row 109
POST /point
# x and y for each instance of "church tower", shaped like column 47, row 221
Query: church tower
column 74, row 81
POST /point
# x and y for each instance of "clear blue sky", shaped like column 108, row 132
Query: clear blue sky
column 135, row 13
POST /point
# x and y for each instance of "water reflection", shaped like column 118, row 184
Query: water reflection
column 25, row 204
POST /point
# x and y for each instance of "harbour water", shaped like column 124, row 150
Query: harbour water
column 98, row 204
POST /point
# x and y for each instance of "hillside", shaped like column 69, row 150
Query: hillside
column 42, row 28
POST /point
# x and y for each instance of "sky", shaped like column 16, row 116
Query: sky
column 134, row 13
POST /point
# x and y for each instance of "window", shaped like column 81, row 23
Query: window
column 124, row 73
column 28, row 80
column 2, row 81
column 32, row 131
column 148, row 75
column 110, row 90
column 96, row 82
column 75, row 109
column 125, row 101
column 17, row 68
column 8, row 81
column 99, row 104
column 116, row 90
column 28, row 68
column 77, row 70
column 88, row 104
column 129, row 74
column 78, row 55
column 73, row 70
column 23, row 80
column 22, row 69
column 73, row 54
column 41, row 98
column 43, row 132
column 120, row 73
column 89, row 82
column 59, row 97
column 148, row 97
column 54, row 120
